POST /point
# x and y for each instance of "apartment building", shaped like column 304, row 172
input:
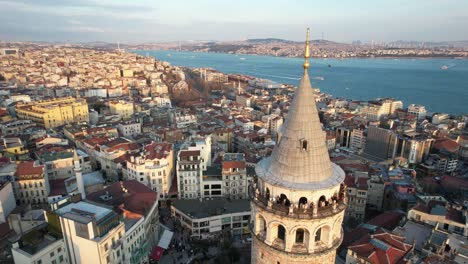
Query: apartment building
column 31, row 184
column 153, row 167
column 92, row 233
column 54, row 112
column 234, row 176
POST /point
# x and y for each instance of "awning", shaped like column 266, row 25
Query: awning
column 157, row 253
column 162, row 245
column 165, row 239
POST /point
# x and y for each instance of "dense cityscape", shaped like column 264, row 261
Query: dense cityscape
column 113, row 157
column 320, row 48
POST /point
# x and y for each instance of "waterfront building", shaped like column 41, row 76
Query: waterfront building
column 54, row 112
column 374, row 110
column 418, row 111
column 299, row 200
column 206, row 218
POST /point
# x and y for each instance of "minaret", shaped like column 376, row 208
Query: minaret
column 298, row 200
column 79, row 176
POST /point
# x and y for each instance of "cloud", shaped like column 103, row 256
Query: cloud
column 85, row 29
column 74, row 22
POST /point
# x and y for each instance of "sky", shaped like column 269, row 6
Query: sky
column 139, row 21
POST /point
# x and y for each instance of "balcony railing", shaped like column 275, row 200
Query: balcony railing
column 296, row 212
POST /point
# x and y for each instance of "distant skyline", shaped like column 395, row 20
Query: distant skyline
column 139, row 21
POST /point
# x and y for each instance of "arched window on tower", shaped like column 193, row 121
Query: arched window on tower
column 304, row 145
column 300, row 236
column 281, row 233
column 302, row 201
column 322, row 201
column 318, row 235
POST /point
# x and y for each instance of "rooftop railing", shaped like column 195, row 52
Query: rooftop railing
column 296, row 211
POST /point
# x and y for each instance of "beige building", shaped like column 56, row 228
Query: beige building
column 92, row 233
column 234, row 174
column 298, row 202
column 153, row 167
column 54, row 112
column 448, row 218
column 122, row 108
column 32, row 184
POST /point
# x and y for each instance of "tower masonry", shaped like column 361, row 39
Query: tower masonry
column 298, row 200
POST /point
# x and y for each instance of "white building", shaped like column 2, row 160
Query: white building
column 129, row 129
column 358, row 139
column 96, row 92
column 234, row 173
column 48, row 250
column 139, row 207
column 32, row 184
column 246, row 124
column 203, row 144
column 184, row 120
column 205, row 218
column 418, row 110
column 92, row 233
column 7, row 200
column 154, row 167
column 192, row 160
column 244, row 100
column 189, row 174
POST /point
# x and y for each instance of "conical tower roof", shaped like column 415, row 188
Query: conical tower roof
column 301, row 156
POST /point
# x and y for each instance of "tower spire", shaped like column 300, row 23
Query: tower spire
column 307, row 51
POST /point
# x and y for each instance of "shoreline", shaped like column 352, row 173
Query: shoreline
column 313, row 57
column 293, row 83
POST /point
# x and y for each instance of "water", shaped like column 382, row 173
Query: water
column 418, row 81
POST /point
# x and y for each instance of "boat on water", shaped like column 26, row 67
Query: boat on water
column 242, row 58
column 445, row 67
column 319, row 78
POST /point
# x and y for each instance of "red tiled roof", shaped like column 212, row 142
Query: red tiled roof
column 29, row 168
column 454, row 215
column 57, row 187
column 158, row 150
column 233, row 164
column 381, row 248
column 138, row 198
column 446, row 144
column 388, row 220
column 188, row 153
column 422, row 208
column 453, row 182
